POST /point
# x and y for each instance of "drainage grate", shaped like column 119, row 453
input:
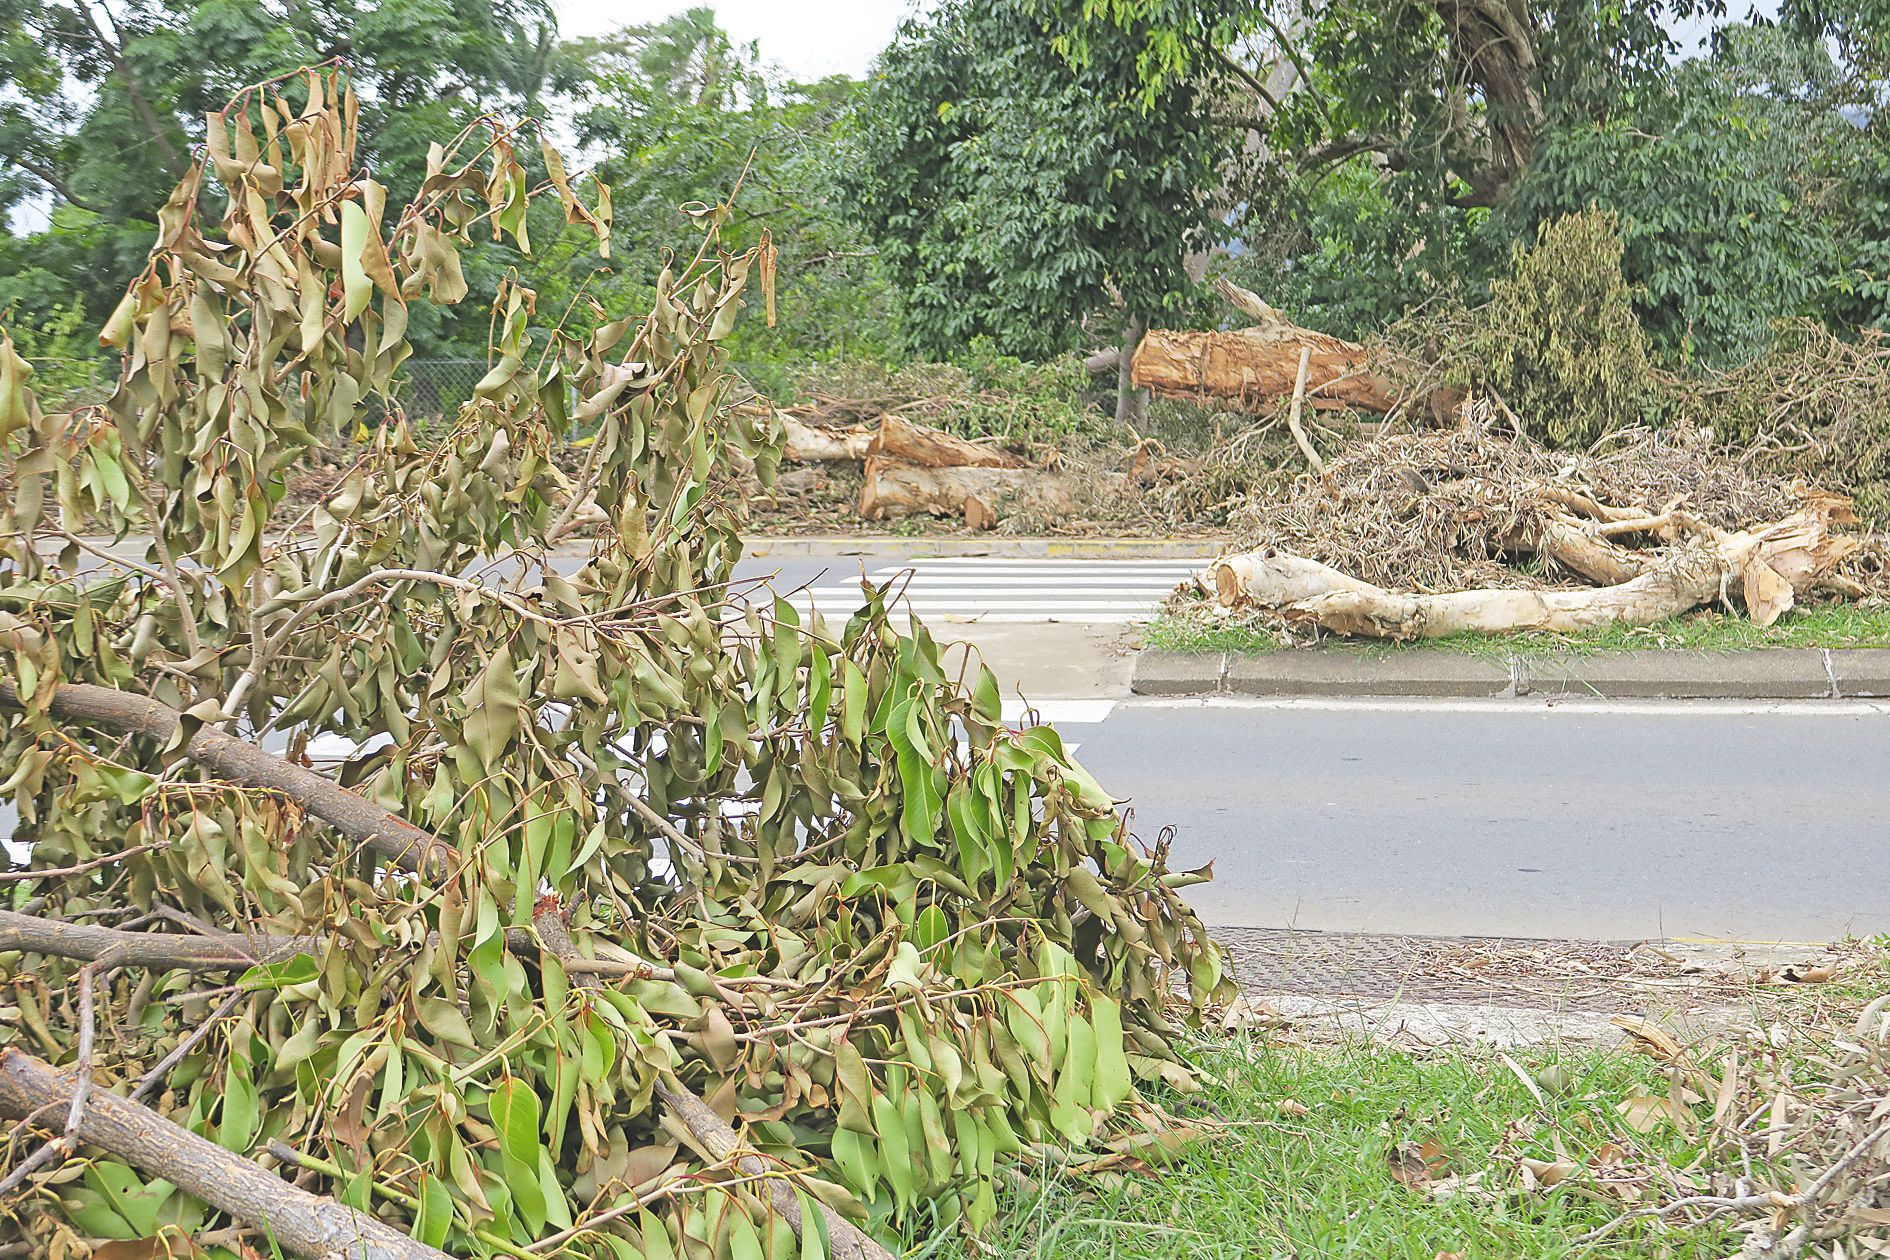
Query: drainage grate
column 1600, row 976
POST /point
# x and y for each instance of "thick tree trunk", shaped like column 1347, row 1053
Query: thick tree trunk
column 1255, row 366
column 1131, row 400
column 355, row 817
column 1493, row 43
column 1344, row 605
column 1769, row 566
column 904, row 442
column 814, row 444
column 894, row 490
column 299, row 1223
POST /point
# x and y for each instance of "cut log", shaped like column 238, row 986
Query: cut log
column 1769, row 565
column 816, row 444
column 895, row 489
column 908, row 443
column 1254, row 366
column 297, row 1222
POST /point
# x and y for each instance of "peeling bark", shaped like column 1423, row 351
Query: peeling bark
column 1256, row 366
column 814, row 444
column 1769, row 566
column 904, row 442
column 894, row 490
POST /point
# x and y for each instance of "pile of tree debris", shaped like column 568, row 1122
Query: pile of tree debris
column 1456, row 527
column 908, row 469
column 1441, row 532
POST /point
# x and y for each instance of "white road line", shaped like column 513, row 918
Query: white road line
column 923, row 589
column 1525, row 706
column 973, row 589
column 973, row 615
column 1059, row 711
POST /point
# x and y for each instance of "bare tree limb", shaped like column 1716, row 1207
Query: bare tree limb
column 133, row 90
column 409, row 847
column 149, row 1083
column 30, row 934
column 1306, row 447
column 80, row 868
column 45, row 174
column 300, row 1223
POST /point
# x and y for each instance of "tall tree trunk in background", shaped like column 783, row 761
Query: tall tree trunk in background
column 114, row 52
column 1131, row 403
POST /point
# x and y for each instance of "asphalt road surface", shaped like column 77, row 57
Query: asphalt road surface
column 1523, row 818
column 1763, row 823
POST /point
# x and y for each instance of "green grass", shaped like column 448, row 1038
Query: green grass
column 1276, row 1183
column 1821, row 626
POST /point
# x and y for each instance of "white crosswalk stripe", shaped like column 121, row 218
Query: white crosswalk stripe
column 978, row 589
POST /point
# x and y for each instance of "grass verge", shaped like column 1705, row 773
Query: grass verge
column 1819, row 626
column 1305, row 1166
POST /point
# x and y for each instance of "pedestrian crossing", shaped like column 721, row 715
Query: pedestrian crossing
column 989, row 591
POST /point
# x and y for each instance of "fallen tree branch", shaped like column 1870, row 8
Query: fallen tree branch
column 1579, row 550
column 896, row 490
column 300, row 1223
column 26, row 933
column 409, row 847
column 1299, row 405
column 1770, row 565
column 844, row 1240
column 1252, row 366
column 903, row 442
column 151, row 1081
column 813, row 444
column 80, row 868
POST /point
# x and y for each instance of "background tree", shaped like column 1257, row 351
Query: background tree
column 101, row 107
column 674, row 109
column 1015, row 190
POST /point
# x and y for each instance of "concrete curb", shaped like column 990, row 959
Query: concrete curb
column 1203, row 549
column 1760, row 674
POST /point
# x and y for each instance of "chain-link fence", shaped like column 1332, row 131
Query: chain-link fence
column 432, row 389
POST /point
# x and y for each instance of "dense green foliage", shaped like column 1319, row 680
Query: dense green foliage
column 1014, row 191
column 1559, row 340
column 1027, row 177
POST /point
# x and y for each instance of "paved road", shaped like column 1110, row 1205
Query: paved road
column 1517, row 818
column 982, row 590
column 1510, row 817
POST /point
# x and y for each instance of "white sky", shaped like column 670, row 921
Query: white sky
column 809, row 39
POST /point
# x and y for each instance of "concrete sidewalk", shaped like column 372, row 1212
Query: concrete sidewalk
column 1764, row 674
